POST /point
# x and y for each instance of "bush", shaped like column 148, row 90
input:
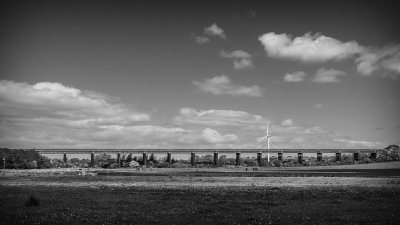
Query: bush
column 366, row 160
column 22, row 159
column 277, row 163
column 250, row 162
column 161, row 165
column 31, row 165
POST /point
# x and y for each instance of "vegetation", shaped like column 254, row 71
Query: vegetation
column 30, row 159
column 225, row 205
column 23, row 159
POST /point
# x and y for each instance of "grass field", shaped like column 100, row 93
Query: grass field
column 63, row 197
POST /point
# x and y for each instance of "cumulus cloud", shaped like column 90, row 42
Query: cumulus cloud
column 222, row 85
column 242, row 59
column 215, row 30
column 308, row 48
column 287, row 123
column 67, row 104
column 373, row 59
column 288, row 134
column 358, row 144
column 213, row 136
column 215, row 117
column 327, row 75
column 319, row 48
column 52, row 115
column 201, row 40
column 295, row 77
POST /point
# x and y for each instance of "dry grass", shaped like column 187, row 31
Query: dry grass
column 164, row 196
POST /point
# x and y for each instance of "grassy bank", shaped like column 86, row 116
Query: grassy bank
column 199, row 205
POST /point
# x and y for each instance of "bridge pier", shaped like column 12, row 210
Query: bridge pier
column 119, row 159
column 319, row 156
column 259, row 157
column 372, row 155
column 356, row 156
column 280, row 156
column 92, row 159
column 169, row 158
column 238, row 158
column 144, row 159
column 338, row 156
column 300, row 157
column 192, row 158
column 215, row 158
column 65, row 158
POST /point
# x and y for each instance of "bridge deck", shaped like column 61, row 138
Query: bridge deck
column 188, row 151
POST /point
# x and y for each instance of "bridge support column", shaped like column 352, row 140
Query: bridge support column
column 356, row 156
column 300, row 157
column 92, row 159
column 169, row 158
column 119, row 159
column 338, row 156
column 215, row 158
column 65, row 158
column 192, row 158
column 372, row 155
column 238, row 158
column 319, row 156
column 144, row 159
column 280, row 156
column 259, row 157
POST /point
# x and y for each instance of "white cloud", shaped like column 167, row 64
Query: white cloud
column 295, row 77
column 358, row 144
column 213, row 136
column 327, row 75
column 214, row 30
column 308, row 48
column 215, row 117
column 52, row 115
column 222, row 85
column 373, row 59
column 201, row 40
column 237, row 54
column 287, row 123
column 70, row 105
column 242, row 59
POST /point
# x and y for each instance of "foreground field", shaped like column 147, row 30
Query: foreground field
column 62, row 196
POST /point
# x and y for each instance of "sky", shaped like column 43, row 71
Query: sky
column 199, row 74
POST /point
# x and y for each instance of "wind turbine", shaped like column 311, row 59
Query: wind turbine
column 263, row 138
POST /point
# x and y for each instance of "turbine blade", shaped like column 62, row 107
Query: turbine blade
column 261, row 139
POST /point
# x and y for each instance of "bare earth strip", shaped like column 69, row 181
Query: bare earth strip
column 173, row 178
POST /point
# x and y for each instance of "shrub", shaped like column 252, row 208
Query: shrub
column 22, row 159
column 366, row 160
column 129, row 158
column 150, row 164
column 290, row 163
column 222, row 159
column 250, row 162
column 161, row 165
column 31, row 165
column 277, row 163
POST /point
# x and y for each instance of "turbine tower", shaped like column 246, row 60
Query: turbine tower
column 266, row 137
